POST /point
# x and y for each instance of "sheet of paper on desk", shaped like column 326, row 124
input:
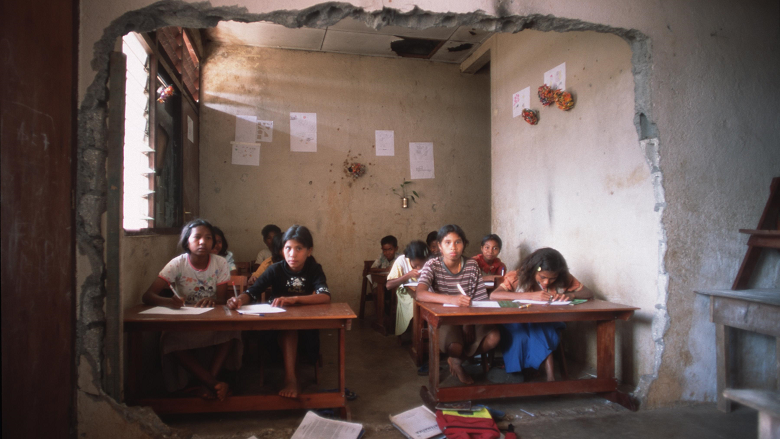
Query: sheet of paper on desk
column 479, row 304
column 316, row 427
column 260, row 308
column 489, row 283
column 411, row 284
column 542, row 302
column 184, row 311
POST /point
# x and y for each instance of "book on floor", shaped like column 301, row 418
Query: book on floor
column 417, row 423
column 315, row 426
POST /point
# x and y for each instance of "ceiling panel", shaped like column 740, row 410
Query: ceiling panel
column 445, row 55
column 358, row 43
column 267, row 35
column 468, row 34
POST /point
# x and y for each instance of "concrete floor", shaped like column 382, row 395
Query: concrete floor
column 384, row 377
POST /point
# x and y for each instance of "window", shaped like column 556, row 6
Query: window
column 161, row 106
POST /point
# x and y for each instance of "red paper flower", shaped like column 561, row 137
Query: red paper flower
column 530, row 116
column 564, row 101
column 546, row 95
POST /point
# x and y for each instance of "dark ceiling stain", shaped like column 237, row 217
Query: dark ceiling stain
column 462, row 47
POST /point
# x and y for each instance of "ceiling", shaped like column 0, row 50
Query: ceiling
column 349, row 36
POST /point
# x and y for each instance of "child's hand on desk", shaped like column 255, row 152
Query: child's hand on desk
column 461, row 300
column 413, row 274
column 205, row 303
column 284, row 301
column 559, row 297
column 235, row 302
column 176, row 302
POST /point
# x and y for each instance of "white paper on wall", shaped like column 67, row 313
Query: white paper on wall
column 265, row 131
column 520, row 101
column 556, row 78
column 421, row 160
column 190, row 129
column 245, row 154
column 246, row 129
column 385, row 143
column 303, row 132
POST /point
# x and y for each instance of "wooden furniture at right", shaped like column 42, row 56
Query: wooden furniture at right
column 767, row 403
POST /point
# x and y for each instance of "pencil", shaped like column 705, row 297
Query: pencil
column 174, row 291
column 460, row 288
column 235, row 291
column 527, row 305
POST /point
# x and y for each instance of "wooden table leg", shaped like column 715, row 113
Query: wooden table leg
column 342, row 361
column 417, row 335
column 722, row 357
column 605, row 363
column 379, row 297
column 433, row 359
column 135, row 369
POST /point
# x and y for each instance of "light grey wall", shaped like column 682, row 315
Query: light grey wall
column 352, row 96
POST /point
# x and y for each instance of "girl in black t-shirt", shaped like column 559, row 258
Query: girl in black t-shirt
column 296, row 280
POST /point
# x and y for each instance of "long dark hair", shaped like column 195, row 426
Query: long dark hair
column 186, row 231
column 492, row 237
column 544, row 259
column 452, row 228
column 221, row 234
column 416, row 250
column 277, row 246
column 300, row 234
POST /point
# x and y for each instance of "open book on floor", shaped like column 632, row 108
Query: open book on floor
column 315, row 426
column 417, row 423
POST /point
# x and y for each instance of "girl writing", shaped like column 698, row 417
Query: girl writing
column 221, row 249
column 406, row 269
column 543, row 275
column 197, row 279
column 439, row 281
column 296, row 280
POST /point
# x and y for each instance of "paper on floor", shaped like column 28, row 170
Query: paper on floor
column 314, row 426
column 417, row 423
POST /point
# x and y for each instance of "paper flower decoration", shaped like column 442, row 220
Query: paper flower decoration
column 354, row 170
column 546, row 95
column 163, row 93
column 564, row 101
column 530, row 116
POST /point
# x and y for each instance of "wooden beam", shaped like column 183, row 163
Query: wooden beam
column 479, row 58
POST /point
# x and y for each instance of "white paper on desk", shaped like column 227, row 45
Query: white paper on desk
column 246, row 129
column 183, row 311
column 489, row 283
column 260, row 308
column 245, row 154
column 411, row 284
column 265, row 131
column 316, row 427
column 303, row 132
column 479, row 304
column 421, row 160
column 542, row 302
column 385, row 142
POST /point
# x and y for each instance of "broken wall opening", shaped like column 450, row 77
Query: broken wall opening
column 91, row 194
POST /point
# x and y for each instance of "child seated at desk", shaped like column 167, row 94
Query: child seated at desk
column 221, row 249
column 268, row 232
column 406, row 268
column 543, row 275
column 433, row 243
column 389, row 248
column 275, row 257
column 198, row 279
column 439, row 281
column 296, row 280
column 487, row 259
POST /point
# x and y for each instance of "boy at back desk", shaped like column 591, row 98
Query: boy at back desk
column 389, row 249
column 268, row 232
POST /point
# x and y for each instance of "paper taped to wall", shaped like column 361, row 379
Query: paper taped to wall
column 265, row 131
column 556, row 78
column 245, row 154
column 303, row 132
column 520, row 101
column 421, row 160
column 385, row 143
column 246, row 129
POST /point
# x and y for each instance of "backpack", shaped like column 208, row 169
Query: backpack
column 467, row 425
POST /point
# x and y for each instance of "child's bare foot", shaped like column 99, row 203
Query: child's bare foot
column 457, row 369
column 290, row 389
column 221, row 389
column 206, row 393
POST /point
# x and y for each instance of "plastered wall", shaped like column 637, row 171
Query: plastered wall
column 578, row 181
column 352, row 96
column 713, row 67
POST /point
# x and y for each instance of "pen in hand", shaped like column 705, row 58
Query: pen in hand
column 235, row 291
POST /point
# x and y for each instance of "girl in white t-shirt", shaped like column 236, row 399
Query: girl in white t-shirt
column 403, row 279
column 200, row 280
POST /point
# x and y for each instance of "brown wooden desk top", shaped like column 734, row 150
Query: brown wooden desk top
column 302, row 317
column 593, row 309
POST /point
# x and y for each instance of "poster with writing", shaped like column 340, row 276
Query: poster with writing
column 246, row 129
column 265, row 131
column 421, row 160
column 556, row 78
column 385, row 143
column 303, row 132
column 520, row 101
column 245, row 154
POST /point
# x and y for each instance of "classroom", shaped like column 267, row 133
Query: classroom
column 644, row 185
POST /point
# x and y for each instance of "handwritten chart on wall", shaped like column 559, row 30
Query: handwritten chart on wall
column 265, row 131
column 421, row 160
column 385, row 143
column 556, row 78
column 303, row 132
column 246, row 154
column 520, row 101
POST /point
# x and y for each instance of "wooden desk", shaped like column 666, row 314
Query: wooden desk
column 330, row 316
column 382, row 323
column 604, row 313
column 756, row 310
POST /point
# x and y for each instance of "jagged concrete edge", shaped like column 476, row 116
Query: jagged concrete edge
column 91, row 147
